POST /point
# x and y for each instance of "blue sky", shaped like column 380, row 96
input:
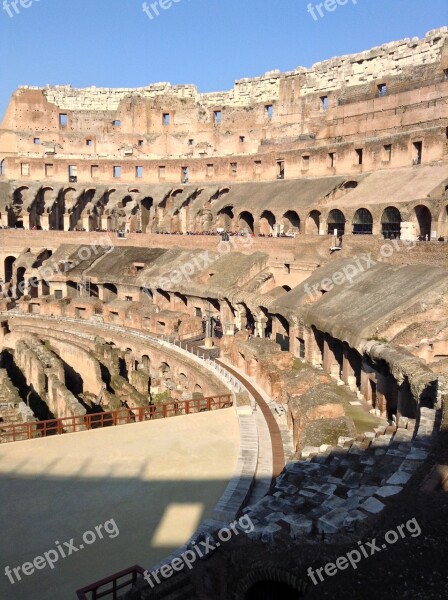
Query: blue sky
column 211, row 43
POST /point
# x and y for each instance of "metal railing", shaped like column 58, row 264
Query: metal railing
column 26, row 431
column 110, row 587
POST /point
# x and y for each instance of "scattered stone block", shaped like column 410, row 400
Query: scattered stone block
column 372, row 505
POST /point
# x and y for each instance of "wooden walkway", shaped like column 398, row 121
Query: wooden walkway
column 278, row 454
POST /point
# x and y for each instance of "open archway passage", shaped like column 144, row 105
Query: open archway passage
column 272, row 590
column 336, row 221
column 363, row 222
column 391, row 223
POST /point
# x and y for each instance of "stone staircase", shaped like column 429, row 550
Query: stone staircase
column 333, row 488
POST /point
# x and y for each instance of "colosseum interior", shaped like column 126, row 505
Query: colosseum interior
column 254, row 280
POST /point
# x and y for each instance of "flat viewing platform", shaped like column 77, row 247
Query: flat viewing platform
column 156, row 480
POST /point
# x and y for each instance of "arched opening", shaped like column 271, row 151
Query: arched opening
column 246, row 222
column 56, row 216
column 181, row 298
column 94, row 290
column 349, row 185
column 110, row 292
column 146, row 295
column 312, row 223
column 336, row 221
column 183, row 381
column 164, row 296
column 282, row 332
column 286, row 288
column 225, row 218
column 145, row 208
column 424, row 220
column 198, row 390
column 20, row 277
column 267, row 223
column 33, row 287
column 2, row 168
column 291, row 222
column 164, row 370
column 9, row 262
column 391, row 223
column 125, row 201
column 363, row 222
column 270, row 590
column 72, row 289
column 215, row 303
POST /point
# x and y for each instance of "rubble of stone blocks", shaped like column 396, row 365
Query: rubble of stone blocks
column 333, row 488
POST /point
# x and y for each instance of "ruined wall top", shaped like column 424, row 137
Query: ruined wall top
column 393, row 59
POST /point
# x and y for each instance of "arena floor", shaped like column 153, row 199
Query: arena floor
column 148, row 484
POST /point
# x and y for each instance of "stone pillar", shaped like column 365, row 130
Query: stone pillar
column 67, row 222
column 44, row 222
column 260, row 326
column 240, row 318
column 408, row 231
column 365, row 387
column 313, row 354
column 348, row 373
column 331, row 365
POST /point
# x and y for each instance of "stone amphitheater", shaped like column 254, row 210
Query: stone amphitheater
column 274, row 257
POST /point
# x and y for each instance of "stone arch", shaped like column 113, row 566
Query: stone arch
column 9, row 268
column 33, row 287
column 267, row 589
column 281, row 328
column 126, row 200
column 146, row 208
column 182, row 298
column 94, row 290
column 20, row 281
column 56, row 213
column 291, row 222
column 268, row 581
column 391, row 223
column 72, row 289
column 362, row 222
column 312, row 223
column 246, row 221
column 2, row 168
column 110, row 292
column 183, row 381
column 146, row 294
column 423, row 218
column 164, row 370
column 267, row 223
column 336, row 220
column 17, row 196
column 349, row 185
column 225, row 218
